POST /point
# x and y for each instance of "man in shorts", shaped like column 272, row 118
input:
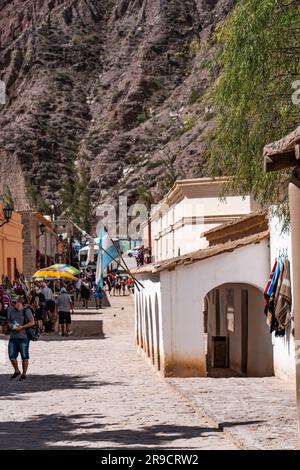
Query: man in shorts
column 19, row 319
column 64, row 306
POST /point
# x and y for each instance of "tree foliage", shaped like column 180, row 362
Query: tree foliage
column 76, row 197
column 258, row 49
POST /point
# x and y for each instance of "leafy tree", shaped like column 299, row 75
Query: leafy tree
column 258, row 50
column 76, row 197
column 7, row 197
column 82, row 196
column 67, row 195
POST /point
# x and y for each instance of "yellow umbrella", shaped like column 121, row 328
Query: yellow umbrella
column 44, row 274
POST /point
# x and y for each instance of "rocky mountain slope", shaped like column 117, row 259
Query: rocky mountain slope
column 116, row 84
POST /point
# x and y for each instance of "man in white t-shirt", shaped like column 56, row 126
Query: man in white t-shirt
column 47, row 292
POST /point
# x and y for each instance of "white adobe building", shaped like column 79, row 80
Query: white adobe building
column 192, row 207
column 205, row 309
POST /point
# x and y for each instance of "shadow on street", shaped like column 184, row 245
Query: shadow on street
column 48, row 431
column 43, row 383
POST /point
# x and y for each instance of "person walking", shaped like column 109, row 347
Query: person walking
column 34, row 302
column 130, row 285
column 118, row 283
column 64, row 307
column 123, row 284
column 108, row 283
column 19, row 319
column 99, row 294
column 71, row 291
column 85, row 293
column 49, row 307
column 140, row 257
column 113, row 285
column 78, row 289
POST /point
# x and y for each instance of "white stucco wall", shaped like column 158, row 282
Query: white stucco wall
column 215, row 206
column 152, row 343
column 187, row 238
column 284, row 348
column 182, row 292
column 260, row 347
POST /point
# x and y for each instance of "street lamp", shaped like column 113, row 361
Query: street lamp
column 7, row 212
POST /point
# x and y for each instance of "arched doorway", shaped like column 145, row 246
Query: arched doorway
column 238, row 339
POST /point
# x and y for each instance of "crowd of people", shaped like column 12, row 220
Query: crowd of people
column 47, row 304
column 114, row 284
column 41, row 299
column 25, row 314
column 118, row 284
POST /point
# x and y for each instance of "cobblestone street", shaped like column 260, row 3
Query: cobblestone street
column 92, row 391
column 259, row 413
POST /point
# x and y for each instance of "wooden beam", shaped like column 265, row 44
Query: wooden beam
column 283, row 146
column 280, row 162
column 268, row 164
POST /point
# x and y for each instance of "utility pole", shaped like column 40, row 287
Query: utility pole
column 150, row 236
column 277, row 156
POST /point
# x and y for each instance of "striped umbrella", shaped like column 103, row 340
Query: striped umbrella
column 64, row 268
column 52, row 274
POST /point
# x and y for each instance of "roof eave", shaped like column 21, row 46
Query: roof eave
column 201, row 255
column 284, row 153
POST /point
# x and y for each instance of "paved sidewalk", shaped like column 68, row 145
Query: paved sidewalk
column 91, row 390
column 259, row 413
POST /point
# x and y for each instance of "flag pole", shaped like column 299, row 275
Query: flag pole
column 118, row 263
column 128, row 270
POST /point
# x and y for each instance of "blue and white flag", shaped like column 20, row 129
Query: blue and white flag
column 105, row 257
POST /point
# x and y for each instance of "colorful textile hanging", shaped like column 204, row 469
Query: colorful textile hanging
column 278, row 297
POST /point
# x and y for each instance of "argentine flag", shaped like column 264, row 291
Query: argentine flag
column 104, row 257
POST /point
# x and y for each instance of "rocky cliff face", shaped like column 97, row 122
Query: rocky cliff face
column 116, row 84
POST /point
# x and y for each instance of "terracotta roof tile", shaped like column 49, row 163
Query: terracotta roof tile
column 201, row 255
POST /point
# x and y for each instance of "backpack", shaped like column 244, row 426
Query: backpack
column 99, row 293
column 3, row 315
column 33, row 333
